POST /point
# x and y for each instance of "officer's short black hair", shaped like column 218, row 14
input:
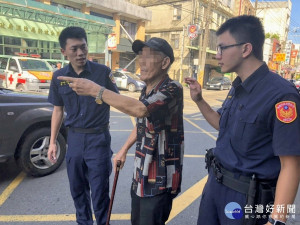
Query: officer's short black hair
column 70, row 33
column 248, row 29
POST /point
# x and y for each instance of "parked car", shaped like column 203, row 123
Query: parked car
column 57, row 64
column 127, row 80
column 218, row 83
column 292, row 81
column 25, row 73
column 25, row 132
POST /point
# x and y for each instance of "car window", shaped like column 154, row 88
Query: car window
column 216, row 79
column 117, row 74
column 132, row 75
column 13, row 63
column 3, row 63
column 37, row 65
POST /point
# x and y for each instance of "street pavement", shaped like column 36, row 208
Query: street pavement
column 47, row 201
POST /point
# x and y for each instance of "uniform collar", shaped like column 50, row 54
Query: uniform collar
column 87, row 69
column 249, row 84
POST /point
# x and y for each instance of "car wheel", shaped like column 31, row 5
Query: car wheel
column 221, row 88
column 131, row 87
column 32, row 154
column 20, row 87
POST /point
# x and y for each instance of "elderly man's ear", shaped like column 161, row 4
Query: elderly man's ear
column 165, row 63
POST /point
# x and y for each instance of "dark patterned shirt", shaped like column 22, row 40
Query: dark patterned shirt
column 159, row 146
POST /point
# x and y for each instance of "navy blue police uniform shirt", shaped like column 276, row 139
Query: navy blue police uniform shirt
column 82, row 111
column 259, row 122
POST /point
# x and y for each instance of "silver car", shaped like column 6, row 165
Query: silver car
column 218, row 83
column 128, row 81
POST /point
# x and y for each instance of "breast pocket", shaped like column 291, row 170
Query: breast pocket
column 248, row 133
column 245, row 126
column 69, row 98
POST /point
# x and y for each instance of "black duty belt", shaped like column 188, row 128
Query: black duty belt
column 240, row 184
column 95, row 130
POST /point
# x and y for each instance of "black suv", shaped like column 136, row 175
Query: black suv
column 25, row 121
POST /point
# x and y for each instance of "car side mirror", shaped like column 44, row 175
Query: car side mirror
column 124, row 77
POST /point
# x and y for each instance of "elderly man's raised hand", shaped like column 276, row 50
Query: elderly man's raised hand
column 82, row 86
column 195, row 89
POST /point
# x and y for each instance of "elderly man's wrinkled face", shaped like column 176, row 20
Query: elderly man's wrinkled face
column 152, row 64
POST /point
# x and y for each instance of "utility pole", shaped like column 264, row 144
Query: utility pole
column 255, row 6
column 181, row 55
column 202, row 50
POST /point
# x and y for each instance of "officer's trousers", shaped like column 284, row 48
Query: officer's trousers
column 89, row 167
column 217, row 203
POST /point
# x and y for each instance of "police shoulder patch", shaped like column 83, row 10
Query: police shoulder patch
column 286, row 111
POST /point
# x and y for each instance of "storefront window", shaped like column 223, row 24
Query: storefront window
column 11, row 51
column 31, row 43
column 12, row 41
column 130, row 28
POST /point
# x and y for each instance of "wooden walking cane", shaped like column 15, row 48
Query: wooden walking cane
column 113, row 192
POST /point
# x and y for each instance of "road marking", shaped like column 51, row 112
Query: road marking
column 204, row 131
column 133, row 121
column 11, row 187
column 188, row 197
column 179, row 204
column 190, row 101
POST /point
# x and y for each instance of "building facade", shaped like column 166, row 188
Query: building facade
column 275, row 16
column 184, row 24
column 32, row 27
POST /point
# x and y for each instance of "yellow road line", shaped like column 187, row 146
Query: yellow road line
column 204, row 131
column 190, row 101
column 11, row 187
column 188, row 197
column 133, row 121
column 179, row 204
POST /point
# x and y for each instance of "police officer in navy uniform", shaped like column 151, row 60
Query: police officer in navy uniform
column 259, row 129
column 89, row 154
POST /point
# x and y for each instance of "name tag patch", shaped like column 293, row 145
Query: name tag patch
column 286, row 111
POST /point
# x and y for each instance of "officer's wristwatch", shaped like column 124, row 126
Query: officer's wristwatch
column 275, row 222
column 98, row 99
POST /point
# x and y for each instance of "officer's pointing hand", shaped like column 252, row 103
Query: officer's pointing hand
column 195, row 88
column 82, row 86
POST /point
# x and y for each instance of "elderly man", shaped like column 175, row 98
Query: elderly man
column 158, row 133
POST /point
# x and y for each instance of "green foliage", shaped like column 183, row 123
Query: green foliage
column 272, row 36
